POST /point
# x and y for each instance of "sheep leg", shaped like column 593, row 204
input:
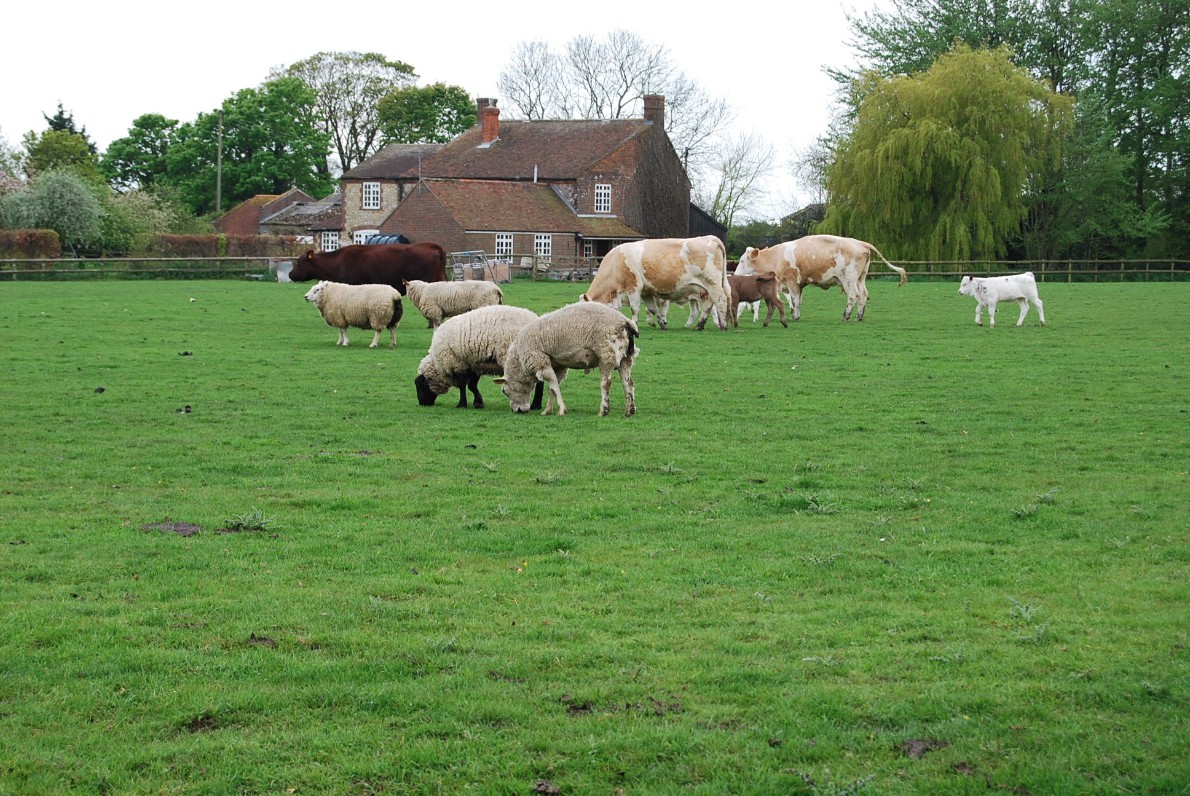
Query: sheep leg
column 605, row 386
column 554, row 380
column 343, row 337
column 625, row 369
column 375, row 339
column 473, row 386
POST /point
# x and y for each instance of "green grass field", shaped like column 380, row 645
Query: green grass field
column 908, row 556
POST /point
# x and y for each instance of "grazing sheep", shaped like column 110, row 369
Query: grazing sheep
column 375, row 307
column 440, row 300
column 466, row 347
column 754, row 288
column 584, row 335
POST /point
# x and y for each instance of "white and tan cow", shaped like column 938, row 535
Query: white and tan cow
column 987, row 291
column 660, row 270
column 822, row 260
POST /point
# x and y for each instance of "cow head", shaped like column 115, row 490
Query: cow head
column 967, row 286
column 303, row 267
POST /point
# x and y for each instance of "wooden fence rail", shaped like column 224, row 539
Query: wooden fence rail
column 575, row 269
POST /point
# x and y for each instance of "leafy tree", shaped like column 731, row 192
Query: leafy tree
column 58, row 150
column 1136, row 68
column 1126, row 57
column 63, row 122
column 138, row 159
column 936, row 163
column 131, row 215
column 348, row 87
column 431, row 115
column 62, row 201
column 271, row 142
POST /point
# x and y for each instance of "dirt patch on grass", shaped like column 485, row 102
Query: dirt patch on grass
column 917, row 749
column 169, row 526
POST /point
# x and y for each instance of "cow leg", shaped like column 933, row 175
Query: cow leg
column 719, row 300
column 734, row 310
column 769, row 316
column 1024, row 311
column 978, row 314
column 991, row 315
column 756, row 311
column 863, row 298
column 1040, row 309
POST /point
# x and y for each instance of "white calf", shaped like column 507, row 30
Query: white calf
column 1021, row 288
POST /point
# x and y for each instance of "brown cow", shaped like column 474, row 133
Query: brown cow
column 823, row 260
column 379, row 264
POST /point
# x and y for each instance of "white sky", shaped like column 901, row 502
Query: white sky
column 108, row 63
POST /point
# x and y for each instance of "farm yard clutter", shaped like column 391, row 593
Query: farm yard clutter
column 582, row 335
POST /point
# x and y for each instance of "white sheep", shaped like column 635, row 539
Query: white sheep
column 375, row 307
column 440, row 300
column 584, row 335
column 466, row 347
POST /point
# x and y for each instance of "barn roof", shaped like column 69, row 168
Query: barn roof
column 498, row 206
column 547, row 150
column 394, row 161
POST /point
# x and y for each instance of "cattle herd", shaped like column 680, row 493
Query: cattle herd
column 475, row 334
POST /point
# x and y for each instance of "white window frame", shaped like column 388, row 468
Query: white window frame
column 504, row 244
column 329, row 240
column 543, row 244
column 588, row 248
column 603, row 197
column 361, row 235
column 370, row 196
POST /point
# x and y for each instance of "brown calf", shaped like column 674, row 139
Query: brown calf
column 755, row 287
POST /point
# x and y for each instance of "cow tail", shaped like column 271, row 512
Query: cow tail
column 897, row 268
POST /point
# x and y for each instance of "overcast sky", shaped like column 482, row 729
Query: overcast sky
column 108, row 63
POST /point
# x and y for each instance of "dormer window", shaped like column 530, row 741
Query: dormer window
column 603, row 198
column 371, row 200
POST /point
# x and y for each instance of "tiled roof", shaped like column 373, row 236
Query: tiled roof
column 394, row 161
column 518, row 207
column 557, row 150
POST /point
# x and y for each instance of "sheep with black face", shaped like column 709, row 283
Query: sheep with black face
column 466, row 347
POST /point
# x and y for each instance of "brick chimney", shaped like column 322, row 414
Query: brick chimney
column 655, row 109
column 489, row 120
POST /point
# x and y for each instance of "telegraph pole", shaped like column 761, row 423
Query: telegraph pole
column 219, row 165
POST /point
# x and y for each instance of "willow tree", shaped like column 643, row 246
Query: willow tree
column 938, row 163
